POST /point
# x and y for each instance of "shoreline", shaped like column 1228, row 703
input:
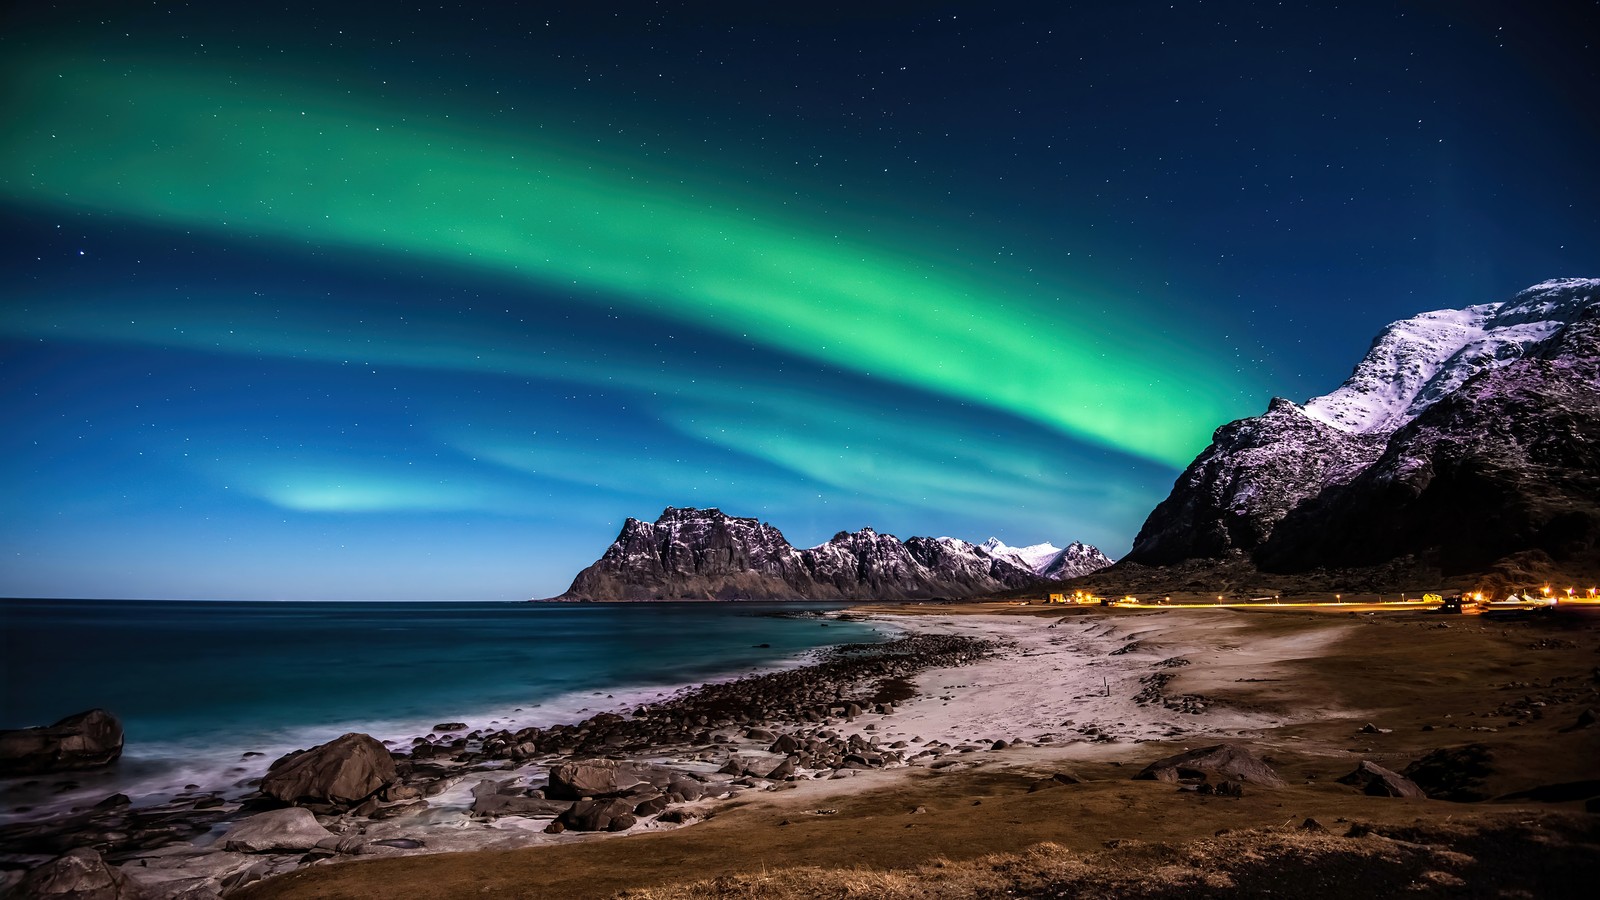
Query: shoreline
column 196, row 756
column 1091, row 690
column 446, row 813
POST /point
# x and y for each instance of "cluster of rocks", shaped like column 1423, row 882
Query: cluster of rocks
column 1531, row 706
column 1224, row 770
column 342, row 797
column 845, row 682
column 1152, row 692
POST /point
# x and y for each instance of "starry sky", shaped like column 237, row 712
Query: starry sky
column 350, row 301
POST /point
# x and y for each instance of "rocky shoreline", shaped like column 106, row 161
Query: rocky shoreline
column 662, row 765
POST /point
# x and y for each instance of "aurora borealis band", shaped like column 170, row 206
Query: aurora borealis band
column 362, row 303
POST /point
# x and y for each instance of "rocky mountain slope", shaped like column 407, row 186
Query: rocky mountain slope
column 703, row 554
column 1462, row 437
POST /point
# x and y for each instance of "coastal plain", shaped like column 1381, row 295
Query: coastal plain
column 1036, row 792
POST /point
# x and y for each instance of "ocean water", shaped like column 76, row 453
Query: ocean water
column 197, row 685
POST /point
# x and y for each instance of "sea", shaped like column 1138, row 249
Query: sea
column 209, row 693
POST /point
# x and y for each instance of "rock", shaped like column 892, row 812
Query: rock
column 83, row 741
column 781, row 770
column 784, row 744
column 490, row 798
column 1377, row 781
column 651, row 806
column 450, row 726
column 397, row 792
column 1454, row 773
column 584, row 778
column 687, row 788
column 341, row 773
column 760, row 734
column 1055, row 780
column 292, row 830
column 1312, row 825
column 599, row 815
column 677, row 816
column 401, row 810
column 1585, row 719
column 79, row 875
column 1228, row 760
column 1370, row 728
column 115, row 801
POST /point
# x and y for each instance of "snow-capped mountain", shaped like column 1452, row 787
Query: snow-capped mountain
column 1049, row 561
column 1076, row 559
column 1462, row 436
column 703, row 554
column 1033, row 556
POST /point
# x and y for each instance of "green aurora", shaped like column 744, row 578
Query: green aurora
column 213, row 150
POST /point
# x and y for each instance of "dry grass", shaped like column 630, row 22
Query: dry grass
column 1548, row 856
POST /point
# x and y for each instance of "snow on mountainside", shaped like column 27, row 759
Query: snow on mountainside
column 704, row 554
column 1033, row 556
column 1310, row 465
column 1414, row 362
column 1049, row 561
column 1075, row 560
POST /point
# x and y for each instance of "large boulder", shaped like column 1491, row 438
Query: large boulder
column 79, row 875
column 341, row 773
column 83, row 741
column 599, row 815
column 1454, row 773
column 1227, row 760
column 493, row 798
column 584, row 778
column 292, row 830
column 1377, row 781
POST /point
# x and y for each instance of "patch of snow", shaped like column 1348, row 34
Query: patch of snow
column 1417, row 361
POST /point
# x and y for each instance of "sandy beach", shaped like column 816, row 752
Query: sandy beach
column 1090, row 698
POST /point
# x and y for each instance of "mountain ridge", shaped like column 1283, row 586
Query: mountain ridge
column 705, row 554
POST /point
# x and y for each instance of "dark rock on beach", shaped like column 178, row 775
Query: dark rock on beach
column 1454, row 773
column 1374, row 780
column 586, row 778
column 1231, row 761
column 292, row 830
column 341, row 773
column 490, row 798
column 79, row 875
column 615, row 814
column 83, row 741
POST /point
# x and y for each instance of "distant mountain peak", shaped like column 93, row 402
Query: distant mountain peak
column 1033, row 557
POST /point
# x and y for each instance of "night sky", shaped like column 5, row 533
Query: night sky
column 350, row 301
